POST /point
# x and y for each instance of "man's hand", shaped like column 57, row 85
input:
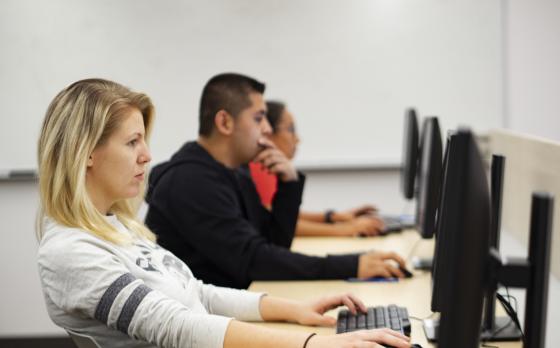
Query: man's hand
column 374, row 264
column 275, row 161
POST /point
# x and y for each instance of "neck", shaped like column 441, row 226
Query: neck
column 99, row 202
column 220, row 150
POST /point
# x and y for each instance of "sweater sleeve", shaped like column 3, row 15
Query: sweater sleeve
column 285, row 210
column 239, row 304
column 82, row 276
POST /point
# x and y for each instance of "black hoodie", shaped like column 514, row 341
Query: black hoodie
column 211, row 217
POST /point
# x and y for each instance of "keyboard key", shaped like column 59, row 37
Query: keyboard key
column 361, row 321
column 351, row 323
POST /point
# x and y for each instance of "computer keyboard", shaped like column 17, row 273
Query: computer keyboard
column 392, row 317
column 391, row 220
column 393, row 223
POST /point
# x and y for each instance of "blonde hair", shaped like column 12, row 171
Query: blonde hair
column 80, row 118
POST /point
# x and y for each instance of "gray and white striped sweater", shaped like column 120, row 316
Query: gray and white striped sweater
column 134, row 296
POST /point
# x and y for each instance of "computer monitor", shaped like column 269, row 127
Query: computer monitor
column 429, row 177
column 472, row 265
column 465, row 226
column 447, row 191
column 496, row 328
column 440, row 252
column 410, row 154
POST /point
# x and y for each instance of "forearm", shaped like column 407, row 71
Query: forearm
column 165, row 322
column 311, row 216
column 311, row 228
column 234, row 303
column 244, row 335
column 334, row 216
column 279, row 309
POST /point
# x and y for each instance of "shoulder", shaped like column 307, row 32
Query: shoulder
column 188, row 171
column 62, row 247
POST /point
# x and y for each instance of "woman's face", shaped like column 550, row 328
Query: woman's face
column 116, row 169
column 285, row 136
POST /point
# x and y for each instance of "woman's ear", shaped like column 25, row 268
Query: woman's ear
column 224, row 122
column 90, row 161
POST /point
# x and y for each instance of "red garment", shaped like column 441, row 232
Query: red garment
column 266, row 183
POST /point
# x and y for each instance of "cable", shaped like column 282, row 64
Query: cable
column 511, row 312
column 505, row 301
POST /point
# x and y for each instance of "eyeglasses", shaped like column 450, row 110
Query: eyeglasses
column 290, row 129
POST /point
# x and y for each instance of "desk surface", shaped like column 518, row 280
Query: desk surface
column 413, row 293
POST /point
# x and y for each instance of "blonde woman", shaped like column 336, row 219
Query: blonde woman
column 102, row 272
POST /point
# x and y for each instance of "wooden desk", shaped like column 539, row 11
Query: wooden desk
column 413, row 293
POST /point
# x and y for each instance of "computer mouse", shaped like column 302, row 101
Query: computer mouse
column 416, row 345
column 406, row 272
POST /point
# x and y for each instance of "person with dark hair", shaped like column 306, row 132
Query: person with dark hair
column 353, row 222
column 204, row 207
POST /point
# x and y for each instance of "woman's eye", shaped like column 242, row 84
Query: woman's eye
column 133, row 142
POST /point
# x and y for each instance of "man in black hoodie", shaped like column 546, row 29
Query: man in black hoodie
column 204, row 207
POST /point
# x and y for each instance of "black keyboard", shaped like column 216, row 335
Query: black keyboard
column 392, row 224
column 392, row 317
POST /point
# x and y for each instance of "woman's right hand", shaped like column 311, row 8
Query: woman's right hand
column 364, row 225
column 361, row 339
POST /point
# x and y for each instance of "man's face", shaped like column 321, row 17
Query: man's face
column 250, row 126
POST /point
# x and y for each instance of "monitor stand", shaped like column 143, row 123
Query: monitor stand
column 505, row 330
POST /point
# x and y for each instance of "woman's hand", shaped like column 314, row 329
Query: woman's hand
column 365, row 226
column 366, row 209
column 313, row 312
column 358, row 339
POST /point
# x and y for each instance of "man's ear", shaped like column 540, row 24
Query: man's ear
column 224, row 122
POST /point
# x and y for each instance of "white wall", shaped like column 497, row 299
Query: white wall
column 22, row 306
column 532, row 62
column 346, row 68
column 346, row 189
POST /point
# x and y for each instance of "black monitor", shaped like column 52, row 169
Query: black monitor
column 465, row 228
column 496, row 328
column 429, row 177
column 466, row 263
column 410, row 154
column 440, row 252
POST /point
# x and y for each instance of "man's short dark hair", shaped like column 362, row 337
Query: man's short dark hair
column 229, row 92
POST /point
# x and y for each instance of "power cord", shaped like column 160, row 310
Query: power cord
column 505, row 301
column 510, row 311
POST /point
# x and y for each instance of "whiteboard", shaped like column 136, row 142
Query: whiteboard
column 346, row 69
